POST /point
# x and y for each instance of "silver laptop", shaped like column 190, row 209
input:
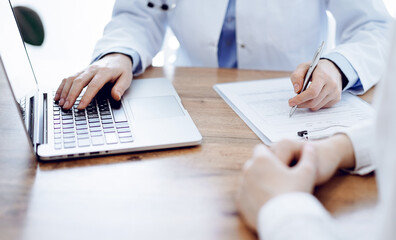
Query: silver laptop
column 149, row 116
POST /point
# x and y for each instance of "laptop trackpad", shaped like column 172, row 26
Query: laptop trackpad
column 155, row 107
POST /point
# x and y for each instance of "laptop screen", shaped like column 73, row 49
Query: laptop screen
column 13, row 54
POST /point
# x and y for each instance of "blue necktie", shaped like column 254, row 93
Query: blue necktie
column 227, row 48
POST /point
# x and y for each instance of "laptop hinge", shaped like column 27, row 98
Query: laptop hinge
column 38, row 122
column 42, row 121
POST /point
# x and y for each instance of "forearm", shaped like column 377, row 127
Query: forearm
column 343, row 145
column 350, row 151
column 333, row 153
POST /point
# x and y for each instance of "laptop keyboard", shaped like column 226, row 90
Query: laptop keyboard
column 99, row 124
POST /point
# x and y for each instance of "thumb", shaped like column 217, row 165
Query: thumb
column 306, row 168
column 297, row 77
column 121, row 85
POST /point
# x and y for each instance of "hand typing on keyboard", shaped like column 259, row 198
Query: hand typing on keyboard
column 114, row 68
column 99, row 124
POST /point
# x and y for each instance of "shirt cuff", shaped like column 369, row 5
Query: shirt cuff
column 295, row 215
column 135, row 57
column 348, row 70
column 361, row 137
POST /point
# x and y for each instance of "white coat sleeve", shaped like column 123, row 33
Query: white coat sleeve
column 296, row 216
column 362, row 138
column 134, row 28
column 362, row 29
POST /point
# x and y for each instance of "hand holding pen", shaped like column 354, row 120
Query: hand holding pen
column 325, row 88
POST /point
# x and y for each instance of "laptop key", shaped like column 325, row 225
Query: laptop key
column 118, row 114
column 90, row 116
column 82, row 131
column 83, row 136
column 126, row 140
column 67, row 117
column 95, row 129
column 58, row 146
column 66, row 121
column 69, row 140
column 106, row 117
column 107, row 121
column 81, row 122
column 69, row 135
column 122, row 125
column 96, row 141
column 84, row 142
column 105, row 112
column 80, row 118
column 69, row 145
column 123, row 130
column 109, row 130
column 93, row 120
column 96, row 134
column 108, row 125
column 68, row 130
column 111, row 138
column 78, row 127
column 94, row 124
column 125, row 134
column 68, row 125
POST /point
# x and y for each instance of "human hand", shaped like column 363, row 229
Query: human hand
column 331, row 154
column 265, row 177
column 115, row 68
column 325, row 89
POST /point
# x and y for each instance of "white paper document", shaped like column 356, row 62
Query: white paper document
column 263, row 105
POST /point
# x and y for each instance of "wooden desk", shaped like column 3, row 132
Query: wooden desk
column 185, row 193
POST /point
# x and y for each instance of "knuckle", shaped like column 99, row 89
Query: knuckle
column 105, row 70
column 92, row 68
column 79, row 81
column 313, row 92
column 94, row 84
column 69, row 80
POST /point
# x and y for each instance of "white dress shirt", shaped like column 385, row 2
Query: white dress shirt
column 301, row 216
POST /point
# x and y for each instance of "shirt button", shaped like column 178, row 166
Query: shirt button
column 242, row 45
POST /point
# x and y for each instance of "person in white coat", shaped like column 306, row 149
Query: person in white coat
column 255, row 34
column 275, row 199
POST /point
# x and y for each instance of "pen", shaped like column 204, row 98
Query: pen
column 312, row 67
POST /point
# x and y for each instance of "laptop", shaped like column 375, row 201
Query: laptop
column 149, row 116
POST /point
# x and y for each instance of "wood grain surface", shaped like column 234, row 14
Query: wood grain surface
column 185, row 193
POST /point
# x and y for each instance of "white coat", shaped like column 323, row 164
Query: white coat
column 271, row 34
